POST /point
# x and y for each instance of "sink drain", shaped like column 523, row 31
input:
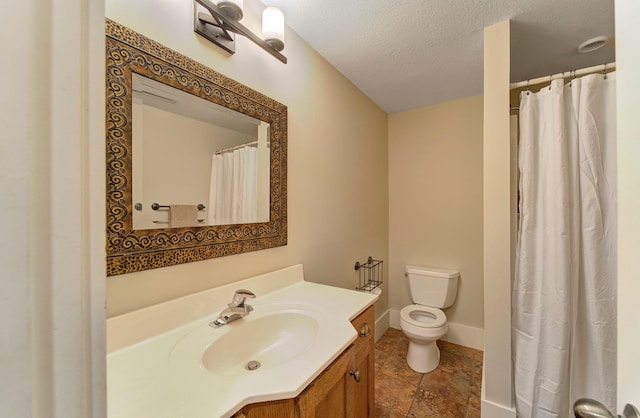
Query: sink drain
column 253, row 364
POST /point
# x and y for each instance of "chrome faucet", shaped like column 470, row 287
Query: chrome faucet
column 236, row 309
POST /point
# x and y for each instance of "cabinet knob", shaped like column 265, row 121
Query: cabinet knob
column 356, row 375
column 365, row 329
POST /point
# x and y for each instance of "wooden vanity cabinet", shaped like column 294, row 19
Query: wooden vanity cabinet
column 345, row 389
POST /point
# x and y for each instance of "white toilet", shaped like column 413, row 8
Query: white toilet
column 424, row 323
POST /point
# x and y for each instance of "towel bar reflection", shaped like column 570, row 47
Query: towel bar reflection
column 157, row 206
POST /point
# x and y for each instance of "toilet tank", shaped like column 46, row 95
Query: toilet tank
column 432, row 286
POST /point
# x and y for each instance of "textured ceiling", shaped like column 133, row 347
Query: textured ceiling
column 405, row 54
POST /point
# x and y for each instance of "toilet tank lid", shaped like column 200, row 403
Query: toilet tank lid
column 432, row 271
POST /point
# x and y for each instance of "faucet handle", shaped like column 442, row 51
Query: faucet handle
column 240, row 296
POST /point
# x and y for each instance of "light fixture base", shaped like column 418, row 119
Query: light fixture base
column 231, row 10
column 276, row 44
column 206, row 26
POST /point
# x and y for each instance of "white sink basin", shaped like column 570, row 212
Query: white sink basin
column 272, row 334
column 269, row 340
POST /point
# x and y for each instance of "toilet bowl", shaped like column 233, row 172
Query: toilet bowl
column 423, row 322
column 423, row 325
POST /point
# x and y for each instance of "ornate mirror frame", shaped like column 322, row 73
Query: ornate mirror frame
column 131, row 250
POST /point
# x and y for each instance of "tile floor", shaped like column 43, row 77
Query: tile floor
column 450, row 391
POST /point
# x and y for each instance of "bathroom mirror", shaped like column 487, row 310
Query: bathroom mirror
column 189, row 150
column 134, row 62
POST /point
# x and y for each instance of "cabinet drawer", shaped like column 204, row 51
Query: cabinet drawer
column 364, row 325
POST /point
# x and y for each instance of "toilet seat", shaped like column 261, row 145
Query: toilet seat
column 423, row 316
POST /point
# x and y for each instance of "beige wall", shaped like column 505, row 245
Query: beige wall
column 435, row 200
column 337, row 168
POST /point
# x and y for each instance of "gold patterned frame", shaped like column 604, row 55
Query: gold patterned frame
column 131, row 250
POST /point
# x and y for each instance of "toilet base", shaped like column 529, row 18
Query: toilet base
column 423, row 358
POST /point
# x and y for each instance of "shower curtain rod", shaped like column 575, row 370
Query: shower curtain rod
column 235, row 147
column 567, row 74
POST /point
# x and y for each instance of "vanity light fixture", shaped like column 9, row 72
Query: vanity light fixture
column 222, row 24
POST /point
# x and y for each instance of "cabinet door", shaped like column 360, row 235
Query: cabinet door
column 363, row 363
column 328, row 395
column 363, row 391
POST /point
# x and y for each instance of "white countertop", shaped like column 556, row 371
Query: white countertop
column 156, row 375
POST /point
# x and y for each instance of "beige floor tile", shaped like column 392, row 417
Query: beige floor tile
column 396, row 366
column 450, row 391
column 394, row 394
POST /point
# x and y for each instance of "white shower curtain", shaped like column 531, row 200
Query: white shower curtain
column 233, row 191
column 564, row 292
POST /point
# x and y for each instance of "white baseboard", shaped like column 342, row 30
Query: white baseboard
column 490, row 409
column 465, row 335
column 382, row 325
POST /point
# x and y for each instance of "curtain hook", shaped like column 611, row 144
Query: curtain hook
column 572, row 76
column 604, row 71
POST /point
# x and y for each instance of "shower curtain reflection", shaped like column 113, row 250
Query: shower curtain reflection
column 564, row 292
column 233, row 193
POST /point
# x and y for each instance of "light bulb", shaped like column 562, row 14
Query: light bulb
column 273, row 27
